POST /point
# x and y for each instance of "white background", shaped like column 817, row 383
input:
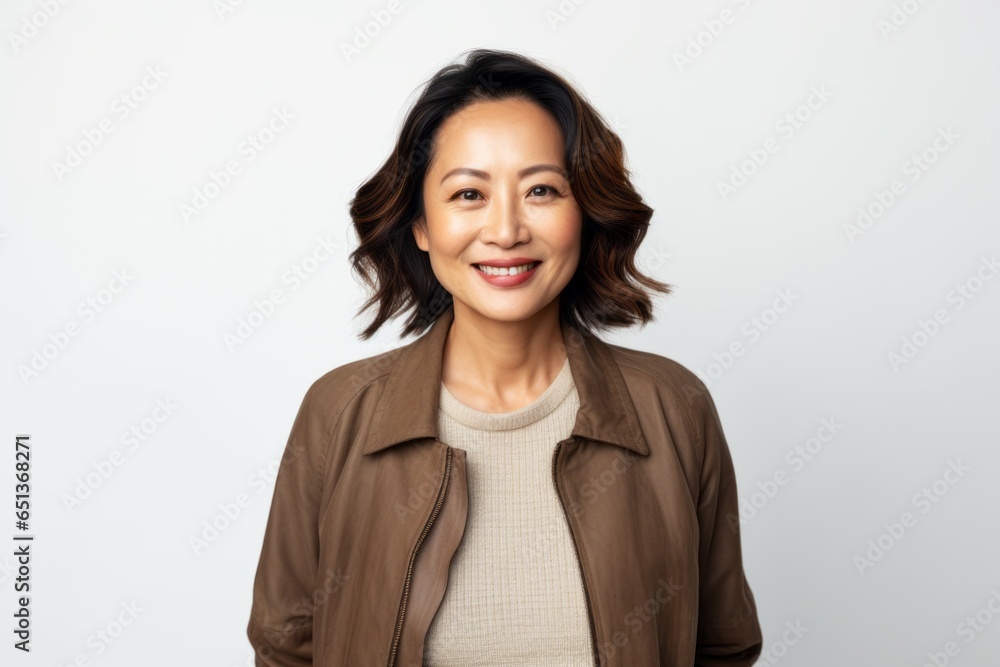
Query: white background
column 162, row 337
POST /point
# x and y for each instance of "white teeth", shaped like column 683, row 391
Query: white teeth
column 503, row 271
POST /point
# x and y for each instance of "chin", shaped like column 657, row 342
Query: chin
column 515, row 312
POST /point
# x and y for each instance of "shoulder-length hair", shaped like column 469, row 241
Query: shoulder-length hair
column 606, row 291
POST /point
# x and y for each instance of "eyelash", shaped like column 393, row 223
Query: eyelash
column 458, row 195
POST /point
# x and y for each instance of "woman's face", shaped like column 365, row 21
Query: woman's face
column 497, row 190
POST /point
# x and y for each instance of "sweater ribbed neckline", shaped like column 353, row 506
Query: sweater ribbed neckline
column 546, row 402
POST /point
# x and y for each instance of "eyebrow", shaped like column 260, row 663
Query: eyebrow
column 527, row 171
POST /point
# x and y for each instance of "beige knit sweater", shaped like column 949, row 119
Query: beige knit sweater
column 515, row 594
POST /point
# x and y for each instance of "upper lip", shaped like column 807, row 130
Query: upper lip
column 507, row 263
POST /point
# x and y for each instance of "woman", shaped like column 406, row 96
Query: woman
column 507, row 489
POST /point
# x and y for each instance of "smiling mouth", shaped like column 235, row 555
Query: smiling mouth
column 504, row 271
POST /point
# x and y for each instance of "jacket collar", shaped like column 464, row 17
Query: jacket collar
column 408, row 407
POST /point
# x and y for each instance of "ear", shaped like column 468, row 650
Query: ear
column 419, row 229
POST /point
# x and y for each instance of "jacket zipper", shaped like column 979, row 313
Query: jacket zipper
column 576, row 550
column 413, row 557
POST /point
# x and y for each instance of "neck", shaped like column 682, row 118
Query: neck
column 497, row 365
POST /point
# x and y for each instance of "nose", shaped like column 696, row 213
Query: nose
column 504, row 224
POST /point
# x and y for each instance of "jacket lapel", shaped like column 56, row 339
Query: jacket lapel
column 408, row 407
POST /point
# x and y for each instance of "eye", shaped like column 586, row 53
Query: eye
column 546, row 189
column 460, row 195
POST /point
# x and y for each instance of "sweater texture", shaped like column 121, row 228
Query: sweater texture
column 515, row 593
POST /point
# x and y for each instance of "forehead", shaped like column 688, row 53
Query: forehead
column 511, row 126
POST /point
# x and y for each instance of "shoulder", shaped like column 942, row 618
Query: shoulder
column 337, row 387
column 333, row 404
column 649, row 374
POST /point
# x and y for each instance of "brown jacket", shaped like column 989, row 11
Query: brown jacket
column 369, row 508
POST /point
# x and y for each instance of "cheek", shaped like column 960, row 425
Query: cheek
column 448, row 234
column 567, row 232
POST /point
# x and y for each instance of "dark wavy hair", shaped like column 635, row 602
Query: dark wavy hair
column 606, row 291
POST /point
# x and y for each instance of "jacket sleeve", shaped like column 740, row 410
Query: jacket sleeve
column 729, row 632
column 280, row 628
